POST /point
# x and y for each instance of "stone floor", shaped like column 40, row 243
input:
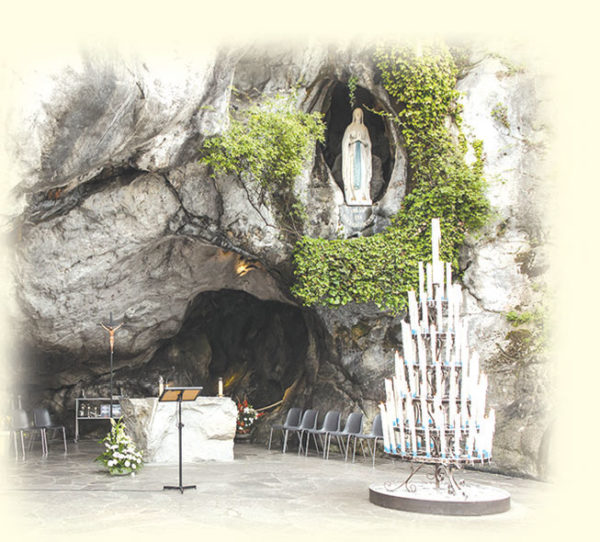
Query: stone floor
column 257, row 496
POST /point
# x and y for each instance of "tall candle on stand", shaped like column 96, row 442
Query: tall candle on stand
column 448, row 279
column 435, row 240
column 385, row 427
column 401, row 376
column 457, row 435
column 422, row 365
column 425, row 310
column 429, row 281
column 406, row 341
column 413, row 311
column 452, row 392
column 438, row 304
column 390, row 411
column 464, row 344
column 438, row 278
column 390, row 404
column 421, row 282
column 440, row 423
column 400, row 417
column 464, row 394
column 409, row 357
column 425, row 420
column 449, row 307
column 410, row 417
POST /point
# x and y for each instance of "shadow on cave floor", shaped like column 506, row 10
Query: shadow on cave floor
column 260, row 490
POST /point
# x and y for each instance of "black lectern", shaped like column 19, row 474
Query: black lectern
column 179, row 395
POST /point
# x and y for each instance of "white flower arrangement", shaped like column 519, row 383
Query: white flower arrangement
column 121, row 455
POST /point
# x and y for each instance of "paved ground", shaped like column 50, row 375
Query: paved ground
column 261, row 495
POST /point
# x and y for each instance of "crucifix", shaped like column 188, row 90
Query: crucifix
column 111, row 328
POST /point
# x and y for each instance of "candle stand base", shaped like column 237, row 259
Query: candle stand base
column 443, row 496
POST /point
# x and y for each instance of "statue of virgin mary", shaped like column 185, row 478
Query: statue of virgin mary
column 356, row 161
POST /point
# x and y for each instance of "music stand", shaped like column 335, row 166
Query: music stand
column 170, row 395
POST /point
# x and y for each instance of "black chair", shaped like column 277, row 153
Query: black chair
column 19, row 423
column 41, row 420
column 352, row 428
column 375, row 435
column 292, row 419
column 309, row 421
column 330, row 423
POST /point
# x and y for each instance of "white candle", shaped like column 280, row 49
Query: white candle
column 385, row 428
column 429, row 281
column 452, row 393
column 425, row 323
column 390, row 411
column 457, row 435
column 421, row 281
column 400, row 375
column 433, row 345
column 438, row 275
column 406, row 341
column 442, row 430
column 413, row 311
column 412, row 386
column 491, row 423
column 397, row 364
column 464, row 345
column 220, row 392
column 438, row 303
column 390, row 404
column 410, row 417
column 435, row 240
column 401, row 417
column 425, row 424
column 422, row 365
column 465, row 391
column 470, row 440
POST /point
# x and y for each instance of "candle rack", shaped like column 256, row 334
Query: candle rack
column 435, row 408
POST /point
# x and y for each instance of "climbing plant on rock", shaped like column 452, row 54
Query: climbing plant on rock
column 381, row 268
column 266, row 147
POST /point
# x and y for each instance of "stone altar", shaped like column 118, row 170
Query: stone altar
column 208, row 432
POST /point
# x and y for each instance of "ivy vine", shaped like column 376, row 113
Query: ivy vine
column 381, row 268
column 266, row 147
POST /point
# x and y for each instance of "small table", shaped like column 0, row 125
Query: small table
column 102, row 412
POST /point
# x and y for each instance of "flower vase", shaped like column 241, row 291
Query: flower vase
column 121, row 472
column 244, row 437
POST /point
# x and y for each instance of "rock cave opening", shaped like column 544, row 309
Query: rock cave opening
column 257, row 346
column 337, row 117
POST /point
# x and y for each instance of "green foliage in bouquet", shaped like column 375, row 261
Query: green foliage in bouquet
column 120, row 455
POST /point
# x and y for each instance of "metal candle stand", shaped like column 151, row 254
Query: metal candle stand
column 434, row 413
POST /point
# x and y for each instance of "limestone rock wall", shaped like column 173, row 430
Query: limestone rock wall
column 118, row 216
